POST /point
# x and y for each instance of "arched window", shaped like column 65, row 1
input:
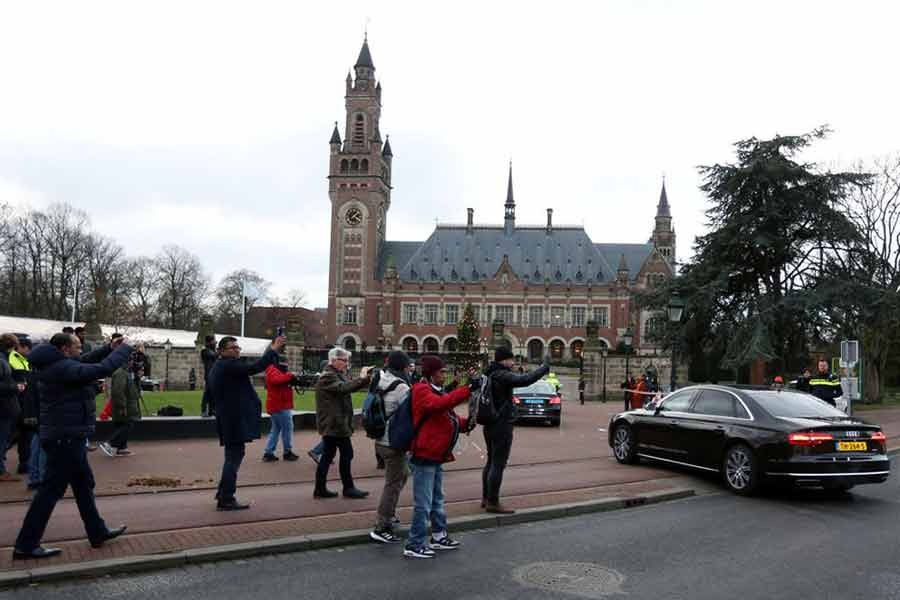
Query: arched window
column 359, row 130
column 349, row 344
column 344, row 166
column 410, row 344
column 556, row 349
column 430, row 344
column 451, row 345
column 577, row 347
column 535, row 350
column 354, row 165
column 364, row 165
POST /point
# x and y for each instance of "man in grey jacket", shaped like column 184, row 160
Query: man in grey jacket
column 394, row 385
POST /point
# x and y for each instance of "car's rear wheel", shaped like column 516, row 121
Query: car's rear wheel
column 740, row 470
column 624, row 445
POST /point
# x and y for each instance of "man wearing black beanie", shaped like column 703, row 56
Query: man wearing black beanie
column 498, row 436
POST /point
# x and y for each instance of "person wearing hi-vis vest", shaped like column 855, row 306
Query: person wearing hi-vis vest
column 825, row 385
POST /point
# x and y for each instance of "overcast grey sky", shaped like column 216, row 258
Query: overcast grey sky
column 206, row 124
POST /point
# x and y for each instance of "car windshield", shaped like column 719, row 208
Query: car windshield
column 540, row 387
column 795, row 404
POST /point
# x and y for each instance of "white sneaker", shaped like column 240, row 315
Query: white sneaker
column 107, row 449
column 423, row 552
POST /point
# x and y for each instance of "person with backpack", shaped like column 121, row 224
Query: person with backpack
column 498, row 427
column 437, row 429
column 391, row 389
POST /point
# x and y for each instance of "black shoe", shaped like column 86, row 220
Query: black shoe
column 290, row 456
column 385, row 536
column 355, row 493
column 231, row 505
column 326, row 493
column 269, row 458
column 38, row 552
column 110, row 534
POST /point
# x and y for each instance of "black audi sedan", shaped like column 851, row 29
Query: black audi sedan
column 539, row 401
column 753, row 437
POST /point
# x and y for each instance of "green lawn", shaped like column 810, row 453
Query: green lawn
column 190, row 401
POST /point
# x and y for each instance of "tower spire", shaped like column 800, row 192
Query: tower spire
column 662, row 209
column 509, row 219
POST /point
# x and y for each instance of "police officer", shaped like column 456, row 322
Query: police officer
column 825, row 385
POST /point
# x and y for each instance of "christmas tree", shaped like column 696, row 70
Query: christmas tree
column 467, row 336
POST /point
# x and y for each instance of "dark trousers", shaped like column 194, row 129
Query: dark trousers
column 23, row 444
column 67, row 464
column 234, row 456
column 498, row 439
column 330, row 446
column 119, row 438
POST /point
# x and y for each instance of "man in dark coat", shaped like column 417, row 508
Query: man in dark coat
column 238, row 410
column 498, row 436
column 66, row 381
column 334, row 419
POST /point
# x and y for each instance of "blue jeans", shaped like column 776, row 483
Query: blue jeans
column 67, row 464
column 6, row 426
column 37, row 464
column 428, row 503
column 318, row 448
column 283, row 424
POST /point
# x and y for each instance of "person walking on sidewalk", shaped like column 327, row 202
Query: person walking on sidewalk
column 238, row 410
column 498, row 436
column 334, row 419
column 280, row 407
column 393, row 384
column 438, row 430
column 21, row 370
column 126, row 411
column 66, row 380
column 9, row 401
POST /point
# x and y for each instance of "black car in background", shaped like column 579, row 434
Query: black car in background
column 753, row 436
column 539, row 401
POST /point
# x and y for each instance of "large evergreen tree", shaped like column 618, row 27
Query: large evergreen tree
column 752, row 284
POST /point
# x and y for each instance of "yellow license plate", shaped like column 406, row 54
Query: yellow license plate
column 851, row 446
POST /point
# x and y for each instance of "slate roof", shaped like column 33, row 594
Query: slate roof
column 365, row 57
column 567, row 254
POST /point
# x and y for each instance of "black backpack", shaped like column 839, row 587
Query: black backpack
column 170, row 411
column 374, row 415
column 486, row 413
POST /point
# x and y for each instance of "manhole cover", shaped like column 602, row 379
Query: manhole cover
column 584, row 579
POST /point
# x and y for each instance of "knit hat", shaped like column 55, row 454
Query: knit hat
column 397, row 360
column 431, row 364
column 502, row 353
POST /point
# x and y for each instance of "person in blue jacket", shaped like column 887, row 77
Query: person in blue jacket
column 66, row 382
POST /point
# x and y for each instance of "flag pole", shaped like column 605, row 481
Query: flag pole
column 243, row 304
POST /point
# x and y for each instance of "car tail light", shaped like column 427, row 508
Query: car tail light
column 809, row 438
column 878, row 436
column 555, row 400
column 516, row 400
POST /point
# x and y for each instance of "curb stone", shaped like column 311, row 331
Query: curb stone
column 317, row 541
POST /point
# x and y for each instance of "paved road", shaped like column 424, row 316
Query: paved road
column 800, row 545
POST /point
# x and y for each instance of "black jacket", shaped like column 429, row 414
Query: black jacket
column 503, row 381
column 237, row 405
column 67, row 388
column 9, row 402
column 208, row 357
column 826, row 387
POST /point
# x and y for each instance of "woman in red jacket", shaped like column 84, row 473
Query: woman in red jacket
column 280, row 406
column 438, row 429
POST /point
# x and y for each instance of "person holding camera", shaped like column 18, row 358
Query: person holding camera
column 238, row 410
column 334, row 419
column 280, row 406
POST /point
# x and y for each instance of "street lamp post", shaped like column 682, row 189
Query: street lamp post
column 628, row 338
column 676, row 309
column 603, row 353
column 168, row 348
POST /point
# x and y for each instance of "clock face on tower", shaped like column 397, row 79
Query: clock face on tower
column 353, row 217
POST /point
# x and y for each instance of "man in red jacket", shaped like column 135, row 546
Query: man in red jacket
column 438, row 429
column 280, row 406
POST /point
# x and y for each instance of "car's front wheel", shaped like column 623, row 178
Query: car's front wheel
column 624, row 445
column 740, row 470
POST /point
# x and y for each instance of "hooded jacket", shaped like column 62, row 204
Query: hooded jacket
column 334, row 403
column 66, row 388
column 392, row 399
column 279, row 393
column 504, row 381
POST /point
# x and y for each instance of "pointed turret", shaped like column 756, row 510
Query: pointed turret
column 509, row 219
column 662, row 209
column 335, row 135
column 387, row 152
column 365, row 57
column 622, row 273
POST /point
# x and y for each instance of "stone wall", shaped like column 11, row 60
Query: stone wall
column 181, row 361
